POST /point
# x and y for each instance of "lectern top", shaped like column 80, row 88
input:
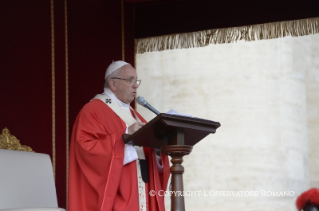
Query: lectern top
column 165, row 129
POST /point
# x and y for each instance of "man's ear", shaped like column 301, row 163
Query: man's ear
column 112, row 84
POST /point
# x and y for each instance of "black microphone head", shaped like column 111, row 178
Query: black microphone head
column 140, row 100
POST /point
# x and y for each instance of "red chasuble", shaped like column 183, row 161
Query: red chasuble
column 98, row 181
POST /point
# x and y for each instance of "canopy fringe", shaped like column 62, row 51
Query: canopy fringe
column 265, row 31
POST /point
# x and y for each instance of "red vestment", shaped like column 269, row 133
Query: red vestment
column 98, row 181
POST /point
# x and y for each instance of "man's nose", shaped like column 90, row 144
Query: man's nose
column 135, row 85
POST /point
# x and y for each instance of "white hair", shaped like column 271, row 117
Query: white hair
column 116, row 73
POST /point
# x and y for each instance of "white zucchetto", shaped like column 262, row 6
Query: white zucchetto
column 114, row 66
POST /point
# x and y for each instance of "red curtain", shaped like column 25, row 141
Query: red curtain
column 87, row 37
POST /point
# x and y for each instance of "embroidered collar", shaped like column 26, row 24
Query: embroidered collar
column 108, row 92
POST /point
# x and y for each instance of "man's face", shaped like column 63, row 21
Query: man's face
column 123, row 90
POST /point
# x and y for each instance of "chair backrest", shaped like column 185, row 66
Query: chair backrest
column 26, row 180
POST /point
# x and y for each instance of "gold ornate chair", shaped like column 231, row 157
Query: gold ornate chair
column 26, row 178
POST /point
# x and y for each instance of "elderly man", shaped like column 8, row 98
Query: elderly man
column 106, row 174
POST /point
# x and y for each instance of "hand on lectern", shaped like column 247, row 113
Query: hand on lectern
column 135, row 127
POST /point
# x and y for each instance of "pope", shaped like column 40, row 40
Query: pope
column 104, row 173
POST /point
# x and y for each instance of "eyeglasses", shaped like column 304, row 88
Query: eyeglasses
column 132, row 81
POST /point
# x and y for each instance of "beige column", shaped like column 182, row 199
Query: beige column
column 313, row 109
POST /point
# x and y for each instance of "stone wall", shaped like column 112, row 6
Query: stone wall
column 265, row 94
column 313, row 110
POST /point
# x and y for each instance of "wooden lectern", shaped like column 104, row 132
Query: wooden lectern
column 175, row 136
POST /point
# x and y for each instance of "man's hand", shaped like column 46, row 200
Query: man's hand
column 135, row 127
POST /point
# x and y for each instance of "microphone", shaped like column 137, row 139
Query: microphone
column 140, row 100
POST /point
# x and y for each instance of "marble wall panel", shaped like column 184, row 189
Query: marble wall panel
column 265, row 96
